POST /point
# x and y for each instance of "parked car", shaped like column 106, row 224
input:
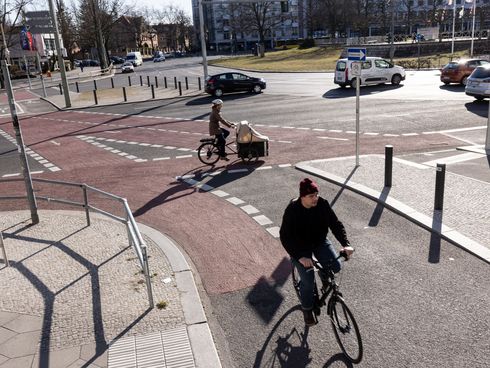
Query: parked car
column 159, row 59
column 374, row 70
column 127, row 67
column 478, row 84
column 89, row 62
column 116, row 60
column 459, row 71
column 233, row 82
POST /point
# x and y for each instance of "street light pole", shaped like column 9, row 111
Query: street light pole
column 203, row 40
column 20, row 144
column 61, row 63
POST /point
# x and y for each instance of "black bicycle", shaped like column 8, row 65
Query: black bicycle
column 343, row 322
column 208, row 152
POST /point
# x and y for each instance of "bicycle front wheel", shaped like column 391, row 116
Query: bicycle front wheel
column 208, row 153
column 345, row 328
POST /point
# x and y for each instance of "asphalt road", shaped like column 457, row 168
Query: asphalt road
column 412, row 313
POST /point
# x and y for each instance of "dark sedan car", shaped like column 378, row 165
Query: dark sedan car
column 233, row 82
column 116, row 60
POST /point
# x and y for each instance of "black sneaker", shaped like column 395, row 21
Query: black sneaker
column 310, row 319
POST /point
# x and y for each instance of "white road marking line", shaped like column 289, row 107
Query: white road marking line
column 131, row 157
column 319, row 130
column 288, row 127
column 262, row 220
column 220, row 193
column 56, row 143
column 37, row 172
column 284, row 142
column 284, row 165
column 10, row 175
column 237, row 171
column 144, row 144
column 54, row 169
column 140, row 160
column 335, row 131
column 183, row 156
column 183, row 149
column 454, row 159
column 235, row 200
column 161, row 158
column 350, row 131
column 371, row 133
column 249, row 209
column 390, row 135
column 156, row 145
column 264, row 168
column 303, row 128
column 170, row 147
column 335, row 139
column 274, row 231
column 409, row 134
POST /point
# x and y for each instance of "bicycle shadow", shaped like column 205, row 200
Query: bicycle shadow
column 290, row 349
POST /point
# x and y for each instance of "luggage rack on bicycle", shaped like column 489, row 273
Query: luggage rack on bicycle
column 250, row 145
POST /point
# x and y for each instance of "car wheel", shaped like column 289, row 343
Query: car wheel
column 218, row 92
column 479, row 98
column 342, row 85
column 353, row 82
column 464, row 80
column 396, row 79
column 445, row 83
column 257, row 89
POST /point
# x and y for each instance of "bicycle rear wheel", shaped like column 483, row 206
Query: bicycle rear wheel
column 208, row 153
column 345, row 328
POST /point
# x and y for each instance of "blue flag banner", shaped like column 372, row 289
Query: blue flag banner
column 26, row 40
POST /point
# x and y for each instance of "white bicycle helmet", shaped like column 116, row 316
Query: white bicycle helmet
column 217, row 102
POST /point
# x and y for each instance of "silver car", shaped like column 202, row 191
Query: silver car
column 478, row 84
column 127, row 67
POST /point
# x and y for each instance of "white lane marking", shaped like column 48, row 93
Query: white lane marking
column 454, row 159
column 235, row 200
column 409, row 134
column 284, row 165
column 274, row 231
column 56, row 143
column 262, row 220
column 335, row 139
column 390, row 135
column 161, row 158
column 249, row 209
column 220, row 193
column 371, row 133
column 10, row 175
column 183, row 156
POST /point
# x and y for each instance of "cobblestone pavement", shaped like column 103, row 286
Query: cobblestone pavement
column 74, row 288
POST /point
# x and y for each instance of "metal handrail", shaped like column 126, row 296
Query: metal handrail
column 134, row 236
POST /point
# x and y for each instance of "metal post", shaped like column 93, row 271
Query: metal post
column 124, row 94
column 152, row 91
column 358, row 92
column 2, row 245
column 148, row 80
column 175, row 82
column 147, row 274
column 41, row 74
column 202, row 37
column 156, row 81
column 20, row 144
column 180, row 89
column 95, row 97
column 141, row 80
column 85, row 202
column 487, row 141
column 439, row 195
column 129, row 80
column 61, row 89
column 76, row 85
column 61, row 63
column 388, row 164
column 27, row 72
column 186, row 83
column 165, row 81
column 95, row 84
column 112, row 82
column 199, row 82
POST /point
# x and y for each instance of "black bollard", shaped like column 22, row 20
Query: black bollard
column 124, row 94
column 148, row 80
column 61, row 90
column 388, row 165
column 180, row 89
column 78, row 89
column 95, row 97
column 129, row 80
column 165, row 81
column 95, row 84
column 141, row 80
column 186, row 83
column 156, row 81
column 152, row 91
column 199, row 82
column 175, row 82
column 112, row 82
column 440, row 179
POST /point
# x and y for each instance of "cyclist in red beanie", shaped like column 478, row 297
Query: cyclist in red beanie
column 303, row 233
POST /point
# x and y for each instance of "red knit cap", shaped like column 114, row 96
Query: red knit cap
column 307, row 186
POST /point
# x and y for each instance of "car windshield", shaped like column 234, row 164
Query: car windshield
column 451, row 65
column 481, row 72
column 130, row 57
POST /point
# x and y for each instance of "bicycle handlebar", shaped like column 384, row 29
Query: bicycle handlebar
column 342, row 254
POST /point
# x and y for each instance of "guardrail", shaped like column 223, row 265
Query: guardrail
column 134, row 236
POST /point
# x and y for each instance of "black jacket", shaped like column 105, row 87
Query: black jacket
column 303, row 229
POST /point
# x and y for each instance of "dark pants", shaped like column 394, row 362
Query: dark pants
column 222, row 141
column 325, row 255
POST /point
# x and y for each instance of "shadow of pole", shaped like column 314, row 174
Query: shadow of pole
column 435, row 238
column 378, row 211
column 337, row 196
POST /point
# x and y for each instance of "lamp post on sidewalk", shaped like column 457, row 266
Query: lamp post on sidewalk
column 20, row 144
column 61, row 63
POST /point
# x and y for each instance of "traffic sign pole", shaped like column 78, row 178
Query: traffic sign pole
column 358, row 92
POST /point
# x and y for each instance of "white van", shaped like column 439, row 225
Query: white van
column 375, row 70
column 135, row 57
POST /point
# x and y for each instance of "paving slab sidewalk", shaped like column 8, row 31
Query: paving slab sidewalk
column 74, row 296
column 465, row 219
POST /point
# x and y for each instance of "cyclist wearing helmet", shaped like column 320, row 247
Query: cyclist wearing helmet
column 214, row 128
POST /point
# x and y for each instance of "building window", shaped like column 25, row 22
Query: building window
column 226, row 35
column 284, row 6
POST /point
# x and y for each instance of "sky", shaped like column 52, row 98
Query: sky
column 186, row 5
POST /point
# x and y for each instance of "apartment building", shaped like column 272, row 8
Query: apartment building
column 230, row 26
